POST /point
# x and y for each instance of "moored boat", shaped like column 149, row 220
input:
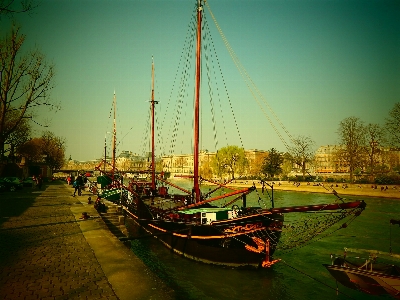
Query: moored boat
column 197, row 225
column 375, row 273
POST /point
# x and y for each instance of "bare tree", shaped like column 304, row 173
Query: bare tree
column 352, row 139
column 375, row 138
column 48, row 149
column 26, row 79
column 393, row 126
column 20, row 135
column 53, row 149
column 392, row 160
column 31, row 150
column 287, row 165
column 302, row 152
column 11, row 7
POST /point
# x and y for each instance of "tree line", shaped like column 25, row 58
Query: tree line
column 364, row 149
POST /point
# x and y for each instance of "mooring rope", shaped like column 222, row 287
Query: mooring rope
column 315, row 279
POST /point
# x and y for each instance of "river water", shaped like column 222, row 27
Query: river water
column 300, row 274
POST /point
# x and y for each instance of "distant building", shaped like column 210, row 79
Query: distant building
column 327, row 162
column 184, row 163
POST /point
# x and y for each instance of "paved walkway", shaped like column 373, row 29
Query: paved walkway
column 48, row 252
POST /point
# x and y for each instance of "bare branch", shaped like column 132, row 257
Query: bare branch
column 393, row 126
column 26, row 80
column 11, row 7
column 352, row 135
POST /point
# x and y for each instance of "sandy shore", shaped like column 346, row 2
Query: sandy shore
column 352, row 189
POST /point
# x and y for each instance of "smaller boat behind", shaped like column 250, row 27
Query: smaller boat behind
column 371, row 275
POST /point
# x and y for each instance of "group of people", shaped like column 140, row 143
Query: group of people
column 78, row 183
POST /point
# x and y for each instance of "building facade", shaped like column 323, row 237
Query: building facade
column 184, row 163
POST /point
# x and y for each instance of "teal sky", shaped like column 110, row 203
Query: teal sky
column 316, row 62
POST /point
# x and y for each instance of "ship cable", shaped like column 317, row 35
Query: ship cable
column 293, row 243
column 317, row 280
column 224, row 84
column 251, row 85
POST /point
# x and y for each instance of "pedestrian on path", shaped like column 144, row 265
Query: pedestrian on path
column 39, row 182
column 78, row 183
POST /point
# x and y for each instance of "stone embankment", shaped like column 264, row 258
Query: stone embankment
column 49, row 251
column 114, row 219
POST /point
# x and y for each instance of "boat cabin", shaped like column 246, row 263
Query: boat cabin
column 206, row 215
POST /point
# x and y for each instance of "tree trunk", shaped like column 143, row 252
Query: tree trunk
column 2, row 142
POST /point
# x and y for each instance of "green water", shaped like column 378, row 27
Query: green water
column 300, row 275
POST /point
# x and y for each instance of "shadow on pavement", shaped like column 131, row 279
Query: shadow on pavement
column 13, row 204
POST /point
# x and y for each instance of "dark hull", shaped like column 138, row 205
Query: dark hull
column 247, row 239
column 238, row 242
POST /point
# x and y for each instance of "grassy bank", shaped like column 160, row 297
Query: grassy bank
column 392, row 191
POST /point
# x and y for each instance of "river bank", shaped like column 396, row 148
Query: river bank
column 369, row 190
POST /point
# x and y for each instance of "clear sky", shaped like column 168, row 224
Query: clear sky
column 316, row 62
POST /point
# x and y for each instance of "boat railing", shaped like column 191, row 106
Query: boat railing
column 370, row 264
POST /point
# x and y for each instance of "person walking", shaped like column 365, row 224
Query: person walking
column 39, row 182
column 78, row 185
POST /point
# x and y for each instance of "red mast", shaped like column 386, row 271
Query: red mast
column 153, row 166
column 197, row 107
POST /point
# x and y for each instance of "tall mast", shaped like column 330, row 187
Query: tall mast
column 114, row 140
column 105, row 152
column 197, row 107
column 153, row 166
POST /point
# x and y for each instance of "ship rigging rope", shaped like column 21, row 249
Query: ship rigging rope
column 257, row 95
column 307, row 228
column 146, row 140
column 259, row 197
column 223, row 81
column 210, row 91
column 183, row 89
column 303, row 232
column 317, row 280
column 180, row 89
column 129, row 203
column 251, row 85
column 108, row 126
column 288, row 243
